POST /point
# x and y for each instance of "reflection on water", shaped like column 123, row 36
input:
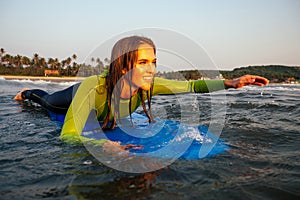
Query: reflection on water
column 128, row 186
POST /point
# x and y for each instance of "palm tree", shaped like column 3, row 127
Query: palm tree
column 42, row 62
column 18, row 61
column 36, row 59
column 93, row 60
column 107, row 63
column 51, row 63
column 1, row 54
column 8, row 59
column 100, row 65
column 74, row 56
column 56, row 63
column 63, row 63
column 26, row 60
column 68, row 61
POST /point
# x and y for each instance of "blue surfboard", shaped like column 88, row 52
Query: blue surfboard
column 163, row 138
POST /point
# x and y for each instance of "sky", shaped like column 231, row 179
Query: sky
column 233, row 33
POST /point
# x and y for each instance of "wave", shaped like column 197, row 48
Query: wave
column 272, row 87
column 39, row 82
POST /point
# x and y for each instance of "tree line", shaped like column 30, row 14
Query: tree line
column 275, row 73
column 36, row 66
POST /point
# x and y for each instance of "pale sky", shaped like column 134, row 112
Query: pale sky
column 233, row 33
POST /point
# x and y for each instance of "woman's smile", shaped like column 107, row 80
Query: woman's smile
column 148, row 78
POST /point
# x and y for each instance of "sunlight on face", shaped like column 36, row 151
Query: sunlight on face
column 142, row 74
column 144, row 71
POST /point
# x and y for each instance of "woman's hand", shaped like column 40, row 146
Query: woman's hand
column 116, row 147
column 246, row 80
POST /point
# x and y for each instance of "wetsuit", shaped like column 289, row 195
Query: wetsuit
column 91, row 95
column 57, row 102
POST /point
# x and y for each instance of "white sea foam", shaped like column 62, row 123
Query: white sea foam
column 191, row 133
column 273, row 87
column 43, row 82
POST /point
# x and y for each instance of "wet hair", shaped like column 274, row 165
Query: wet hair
column 124, row 58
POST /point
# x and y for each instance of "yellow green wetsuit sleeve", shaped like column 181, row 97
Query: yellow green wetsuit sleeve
column 166, row 86
column 91, row 95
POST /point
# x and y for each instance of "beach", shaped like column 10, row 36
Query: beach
column 44, row 78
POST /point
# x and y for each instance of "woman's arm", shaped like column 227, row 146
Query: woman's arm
column 166, row 86
column 84, row 101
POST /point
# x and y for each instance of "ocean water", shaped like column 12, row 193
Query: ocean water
column 262, row 128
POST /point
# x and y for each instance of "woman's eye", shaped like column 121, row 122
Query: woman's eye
column 146, row 63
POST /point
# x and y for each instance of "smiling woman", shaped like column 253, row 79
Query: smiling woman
column 117, row 93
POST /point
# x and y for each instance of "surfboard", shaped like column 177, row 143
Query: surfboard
column 163, row 138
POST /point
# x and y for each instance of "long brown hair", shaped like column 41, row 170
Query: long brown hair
column 123, row 58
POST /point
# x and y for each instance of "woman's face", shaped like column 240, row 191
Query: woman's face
column 142, row 74
column 145, row 68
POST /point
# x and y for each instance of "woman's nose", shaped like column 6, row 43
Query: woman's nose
column 151, row 68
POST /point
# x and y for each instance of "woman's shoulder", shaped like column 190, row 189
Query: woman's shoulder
column 99, row 79
column 94, row 82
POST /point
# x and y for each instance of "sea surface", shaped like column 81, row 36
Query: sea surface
column 262, row 129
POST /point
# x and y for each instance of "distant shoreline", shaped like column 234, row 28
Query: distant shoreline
column 43, row 78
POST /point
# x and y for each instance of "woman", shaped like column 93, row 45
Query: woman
column 128, row 84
